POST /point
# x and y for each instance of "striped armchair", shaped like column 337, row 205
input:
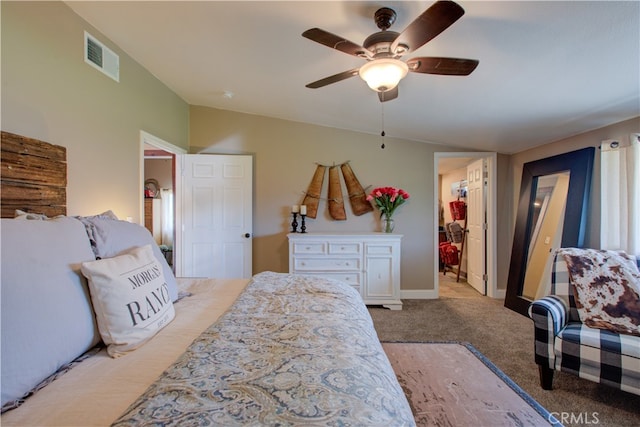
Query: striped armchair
column 565, row 344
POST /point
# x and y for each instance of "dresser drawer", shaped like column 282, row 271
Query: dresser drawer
column 368, row 262
column 348, row 248
column 310, row 248
column 326, row 264
column 379, row 249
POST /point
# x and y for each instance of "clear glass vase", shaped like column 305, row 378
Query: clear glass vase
column 387, row 225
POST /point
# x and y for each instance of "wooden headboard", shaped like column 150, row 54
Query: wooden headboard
column 33, row 177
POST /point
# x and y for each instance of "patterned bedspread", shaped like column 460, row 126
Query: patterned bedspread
column 292, row 350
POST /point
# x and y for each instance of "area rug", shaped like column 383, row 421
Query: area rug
column 453, row 384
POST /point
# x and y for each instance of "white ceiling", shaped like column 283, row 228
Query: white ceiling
column 548, row 70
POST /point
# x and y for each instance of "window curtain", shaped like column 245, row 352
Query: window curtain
column 620, row 190
column 166, row 195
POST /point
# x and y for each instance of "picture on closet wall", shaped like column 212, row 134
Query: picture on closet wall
column 459, row 188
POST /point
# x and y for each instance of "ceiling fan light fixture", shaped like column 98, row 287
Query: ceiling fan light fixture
column 383, row 74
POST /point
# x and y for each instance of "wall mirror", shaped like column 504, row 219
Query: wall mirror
column 552, row 210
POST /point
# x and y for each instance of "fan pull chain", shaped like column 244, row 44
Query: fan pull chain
column 382, row 134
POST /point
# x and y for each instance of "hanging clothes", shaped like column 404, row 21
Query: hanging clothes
column 447, row 232
column 458, row 209
column 455, row 232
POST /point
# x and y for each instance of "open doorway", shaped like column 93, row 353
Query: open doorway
column 159, row 194
column 451, row 180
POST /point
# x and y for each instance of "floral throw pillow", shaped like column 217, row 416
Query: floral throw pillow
column 606, row 286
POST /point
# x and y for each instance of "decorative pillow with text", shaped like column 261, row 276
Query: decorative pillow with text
column 606, row 287
column 130, row 297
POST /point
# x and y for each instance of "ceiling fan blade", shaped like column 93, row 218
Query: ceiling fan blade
column 388, row 95
column 333, row 79
column 336, row 42
column 443, row 66
column 425, row 27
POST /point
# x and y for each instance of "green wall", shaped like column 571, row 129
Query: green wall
column 50, row 93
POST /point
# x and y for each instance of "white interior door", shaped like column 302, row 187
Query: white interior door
column 476, row 226
column 217, row 216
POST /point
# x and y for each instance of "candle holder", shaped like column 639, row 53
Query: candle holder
column 294, row 223
column 303, row 227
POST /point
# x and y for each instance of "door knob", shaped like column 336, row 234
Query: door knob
column 247, row 235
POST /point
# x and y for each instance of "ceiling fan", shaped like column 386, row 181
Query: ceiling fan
column 382, row 50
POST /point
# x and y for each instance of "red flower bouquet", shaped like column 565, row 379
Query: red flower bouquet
column 387, row 199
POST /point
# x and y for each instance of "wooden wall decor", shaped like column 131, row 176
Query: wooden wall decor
column 336, row 203
column 357, row 195
column 312, row 198
column 33, row 176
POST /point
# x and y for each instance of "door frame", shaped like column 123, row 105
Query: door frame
column 491, row 261
column 149, row 139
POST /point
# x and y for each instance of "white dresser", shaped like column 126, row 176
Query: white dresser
column 370, row 262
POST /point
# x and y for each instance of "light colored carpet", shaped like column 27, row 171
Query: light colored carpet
column 506, row 338
column 452, row 384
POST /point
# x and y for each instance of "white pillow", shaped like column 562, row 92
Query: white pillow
column 46, row 315
column 110, row 237
column 130, row 298
column 19, row 214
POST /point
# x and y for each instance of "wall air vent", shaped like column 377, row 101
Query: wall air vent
column 101, row 57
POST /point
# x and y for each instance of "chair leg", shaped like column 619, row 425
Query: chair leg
column 546, row 377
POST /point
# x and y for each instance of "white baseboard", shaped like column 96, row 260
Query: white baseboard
column 433, row 294
column 499, row 294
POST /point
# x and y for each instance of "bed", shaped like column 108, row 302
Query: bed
column 277, row 349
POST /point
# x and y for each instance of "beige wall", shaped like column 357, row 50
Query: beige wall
column 286, row 154
column 161, row 170
column 50, row 93
column 505, row 219
column 592, row 138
